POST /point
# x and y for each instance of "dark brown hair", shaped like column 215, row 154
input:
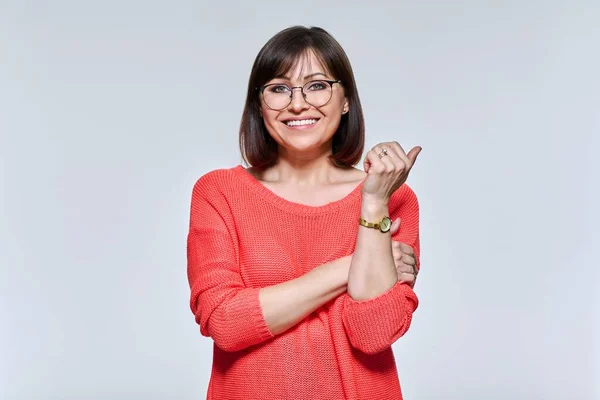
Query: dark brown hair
column 277, row 57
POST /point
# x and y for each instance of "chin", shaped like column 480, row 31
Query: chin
column 304, row 143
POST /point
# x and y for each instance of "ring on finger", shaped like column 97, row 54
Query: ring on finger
column 383, row 153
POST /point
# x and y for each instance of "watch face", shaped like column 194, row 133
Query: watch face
column 385, row 224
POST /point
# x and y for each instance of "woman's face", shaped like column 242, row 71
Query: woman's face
column 301, row 127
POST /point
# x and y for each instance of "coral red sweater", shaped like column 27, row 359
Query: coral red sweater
column 243, row 237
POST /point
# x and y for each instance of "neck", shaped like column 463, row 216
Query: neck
column 303, row 170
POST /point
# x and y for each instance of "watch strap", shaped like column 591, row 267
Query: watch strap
column 367, row 224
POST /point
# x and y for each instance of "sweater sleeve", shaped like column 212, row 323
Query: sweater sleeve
column 374, row 324
column 224, row 308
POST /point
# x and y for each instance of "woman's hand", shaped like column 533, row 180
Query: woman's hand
column 404, row 258
column 387, row 167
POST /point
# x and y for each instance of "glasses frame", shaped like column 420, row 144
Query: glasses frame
column 262, row 88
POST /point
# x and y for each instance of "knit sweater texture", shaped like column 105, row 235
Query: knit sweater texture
column 244, row 237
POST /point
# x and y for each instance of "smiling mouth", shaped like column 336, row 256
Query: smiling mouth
column 301, row 122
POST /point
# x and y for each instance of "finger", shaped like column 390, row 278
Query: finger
column 413, row 154
column 375, row 165
column 387, row 159
column 397, row 252
column 409, row 158
column 371, row 161
column 409, row 260
column 400, row 163
column 405, row 277
column 395, row 226
column 406, row 249
column 405, row 268
column 368, row 163
column 400, row 153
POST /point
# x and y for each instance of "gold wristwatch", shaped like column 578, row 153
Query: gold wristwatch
column 383, row 225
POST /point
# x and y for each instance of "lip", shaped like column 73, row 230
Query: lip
column 299, row 118
column 300, row 127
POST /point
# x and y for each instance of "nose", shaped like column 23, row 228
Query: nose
column 298, row 102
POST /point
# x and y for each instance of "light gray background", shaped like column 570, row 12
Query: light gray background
column 109, row 112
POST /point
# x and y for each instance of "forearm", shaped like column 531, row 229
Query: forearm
column 287, row 303
column 372, row 270
column 374, row 322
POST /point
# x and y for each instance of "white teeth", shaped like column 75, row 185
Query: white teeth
column 301, row 122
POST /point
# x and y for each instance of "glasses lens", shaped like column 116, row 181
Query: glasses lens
column 276, row 96
column 318, row 93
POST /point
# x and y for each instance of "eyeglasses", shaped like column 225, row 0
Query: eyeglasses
column 278, row 96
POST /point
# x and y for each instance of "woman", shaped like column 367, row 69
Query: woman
column 295, row 268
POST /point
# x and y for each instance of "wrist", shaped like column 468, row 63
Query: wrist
column 373, row 208
column 344, row 269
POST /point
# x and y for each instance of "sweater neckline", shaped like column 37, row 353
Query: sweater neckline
column 254, row 184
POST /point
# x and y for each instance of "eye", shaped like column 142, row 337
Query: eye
column 317, row 85
column 278, row 89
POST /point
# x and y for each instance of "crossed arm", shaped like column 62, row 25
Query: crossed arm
column 378, row 303
column 286, row 304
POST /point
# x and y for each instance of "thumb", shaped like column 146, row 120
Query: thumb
column 414, row 153
column 395, row 226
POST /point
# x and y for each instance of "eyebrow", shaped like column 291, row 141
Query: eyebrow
column 305, row 77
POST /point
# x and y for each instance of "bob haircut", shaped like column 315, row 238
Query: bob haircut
column 279, row 56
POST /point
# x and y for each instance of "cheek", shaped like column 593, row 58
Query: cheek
column 269, row 116
column 334, row 110
column 271, row 122
column 337, row 103
column 333, row 121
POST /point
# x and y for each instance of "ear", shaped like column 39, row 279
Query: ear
column 346, row 106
